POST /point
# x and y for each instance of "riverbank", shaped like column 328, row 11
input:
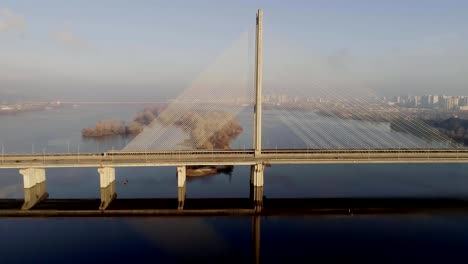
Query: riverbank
column 28, row 107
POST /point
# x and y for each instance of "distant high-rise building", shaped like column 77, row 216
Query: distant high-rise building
column 283, row 99
column 463, row 101
column 449, row 103
column 426, row 100
column 404, row 99
column 415, row 101
column 397, row 99
column 445, row 102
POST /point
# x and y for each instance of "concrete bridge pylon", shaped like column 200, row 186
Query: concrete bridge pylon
column 258, row 85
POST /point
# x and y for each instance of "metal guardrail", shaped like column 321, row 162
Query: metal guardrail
column 231, row 157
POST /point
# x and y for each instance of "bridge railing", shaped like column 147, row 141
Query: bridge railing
column 214, row 155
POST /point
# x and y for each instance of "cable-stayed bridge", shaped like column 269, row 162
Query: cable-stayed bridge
column 335, row 126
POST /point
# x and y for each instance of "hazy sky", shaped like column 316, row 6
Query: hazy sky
column 126, row 49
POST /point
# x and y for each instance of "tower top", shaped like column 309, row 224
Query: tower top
column 258, row 86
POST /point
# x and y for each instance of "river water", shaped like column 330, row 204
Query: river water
column 429, row 238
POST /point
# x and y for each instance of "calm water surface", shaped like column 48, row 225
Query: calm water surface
column 432, row 238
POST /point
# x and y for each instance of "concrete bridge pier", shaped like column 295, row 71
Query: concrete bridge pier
column 256, row 185
column 107, row 181
column 181, row 184
column 34, row 187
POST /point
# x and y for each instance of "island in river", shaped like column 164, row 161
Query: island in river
column 206, row 130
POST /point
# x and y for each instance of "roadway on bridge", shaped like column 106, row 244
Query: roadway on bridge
column 233, row 157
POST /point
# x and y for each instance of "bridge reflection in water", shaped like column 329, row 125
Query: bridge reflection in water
column 200, row 237
column 256, row 239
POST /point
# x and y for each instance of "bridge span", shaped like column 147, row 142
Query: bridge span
column 32, row 166
column 232, row 157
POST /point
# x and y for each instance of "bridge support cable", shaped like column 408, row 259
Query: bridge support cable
column 349, row 102
column 158, row 136
column 34, row 187
column 169, row 135
column 181, row 186
column 312, row 129
column 107, row 183
column 406, row 125
column 334, row 137
column 367, row 137
column 358, row 140
column 398, row 118
column 326, row 142
column 165, row 135
column 366, row 128
column 295, row 124
column 355, row 136
column 221, row 88
column 377, row 140
column 362, row 114
column 311, row 142
column 359, row 108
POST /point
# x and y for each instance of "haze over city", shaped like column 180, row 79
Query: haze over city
column 109, row 50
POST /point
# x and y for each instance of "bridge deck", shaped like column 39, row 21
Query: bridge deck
column 231, row 157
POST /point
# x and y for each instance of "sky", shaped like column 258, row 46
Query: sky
column 152, row 50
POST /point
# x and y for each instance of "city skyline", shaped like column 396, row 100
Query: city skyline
column 443, row 102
